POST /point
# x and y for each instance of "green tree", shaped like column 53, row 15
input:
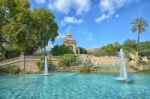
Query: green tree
column 139, row 25
column 129, row 45
column 46, row 26
column 67, row 60
column 5, row 13
column 61, row 50
column 82, row 50
column 27, row 30
column 110, row 50
column 116, row 45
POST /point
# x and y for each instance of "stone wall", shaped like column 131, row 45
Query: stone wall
column 77, row 69
column 93, row 69
column 99, row 61
column 26, row 63
column 98, row 64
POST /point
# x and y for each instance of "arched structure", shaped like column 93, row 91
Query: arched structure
column 71, row 43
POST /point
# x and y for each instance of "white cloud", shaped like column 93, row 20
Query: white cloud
column 65, row 6
column 101, row 18
column 61, row 36
column 40, row 1
column 72, row 20
column 110, row 7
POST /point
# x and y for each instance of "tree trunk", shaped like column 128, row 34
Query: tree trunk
column 138, row 40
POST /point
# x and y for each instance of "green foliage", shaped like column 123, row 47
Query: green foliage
column 9, row 69
column 24, row 29
column 129, row 45
column 61, row 50
column 145, row 53
column 46, row 26
column 83, row 50
column 145, row 45
column 85, row 68
column 108, row 50
column 67, row 60
column 41, row 64
column 2, row 57
column 139, row 25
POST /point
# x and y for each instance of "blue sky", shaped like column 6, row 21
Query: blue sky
column 95, row 23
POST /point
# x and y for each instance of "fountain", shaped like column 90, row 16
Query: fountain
column 46, row 63
column 123, row 71
column 45, row 66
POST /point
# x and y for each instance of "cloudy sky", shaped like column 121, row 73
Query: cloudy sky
column 95, row 23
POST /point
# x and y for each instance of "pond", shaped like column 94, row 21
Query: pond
column 74, row 86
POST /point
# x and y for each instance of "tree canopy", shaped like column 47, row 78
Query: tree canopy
column 24, row 29
column 61, row 50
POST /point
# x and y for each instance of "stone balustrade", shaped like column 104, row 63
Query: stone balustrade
column 99, row 64
column 26, row 63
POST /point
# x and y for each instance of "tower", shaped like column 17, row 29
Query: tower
column 71, row 43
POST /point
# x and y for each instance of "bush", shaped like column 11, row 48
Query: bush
column 108, row 50
column 2, row 58
column 83, row 50
column 68, row 60
column 85, row 69
column 129, row 46
column 9, row 69
column 145, row 53
column 61, row 50
column 41, row 64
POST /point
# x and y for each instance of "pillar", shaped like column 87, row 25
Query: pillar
column 22, row 62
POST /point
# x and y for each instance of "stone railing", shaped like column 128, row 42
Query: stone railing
column 9, row 61
column 100, row 64
column 26, row 63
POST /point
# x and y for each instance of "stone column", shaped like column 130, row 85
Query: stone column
column 74, row 49
column 78, row 50
column 22, row 62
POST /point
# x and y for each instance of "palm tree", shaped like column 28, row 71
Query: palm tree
column 139, row 25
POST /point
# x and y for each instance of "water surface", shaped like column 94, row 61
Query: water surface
column 74, row 86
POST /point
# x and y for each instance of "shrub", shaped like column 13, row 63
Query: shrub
column 67, row 60
column 61, row 50
column 2, row 58
column 145, row 53
column 41, row 64
column 9, row 69
column 85, row 68
column 83, row 50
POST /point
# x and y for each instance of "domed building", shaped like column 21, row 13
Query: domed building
column 71, row 43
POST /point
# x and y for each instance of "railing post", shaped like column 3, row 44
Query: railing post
column 22, row 62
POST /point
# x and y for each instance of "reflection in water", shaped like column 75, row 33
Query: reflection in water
column 45, row 87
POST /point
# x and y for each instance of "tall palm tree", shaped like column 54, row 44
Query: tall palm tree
column 139, row 25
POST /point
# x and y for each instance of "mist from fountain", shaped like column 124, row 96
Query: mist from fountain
column 45, row 66
column 123, row 70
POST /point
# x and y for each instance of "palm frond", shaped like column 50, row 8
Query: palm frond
column 139, row 24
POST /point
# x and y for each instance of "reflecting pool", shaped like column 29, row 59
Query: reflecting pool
column 74, row 86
